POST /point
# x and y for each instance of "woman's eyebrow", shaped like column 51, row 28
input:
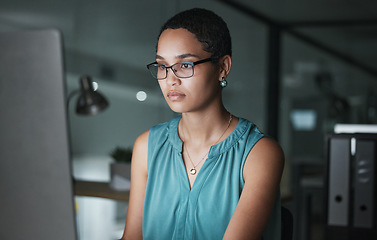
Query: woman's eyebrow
column 186, row 55
column 181, row 56
column 159, row 57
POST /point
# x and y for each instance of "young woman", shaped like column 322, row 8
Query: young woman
column 207, row 174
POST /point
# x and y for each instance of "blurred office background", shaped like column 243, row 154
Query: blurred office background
column 299, row 67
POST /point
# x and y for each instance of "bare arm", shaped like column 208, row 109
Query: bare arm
column 133, row 228
column 262, row 173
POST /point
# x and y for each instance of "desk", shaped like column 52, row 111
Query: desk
column 103, row 190
column 98, row 189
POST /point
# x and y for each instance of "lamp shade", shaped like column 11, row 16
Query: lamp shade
column 89, row 102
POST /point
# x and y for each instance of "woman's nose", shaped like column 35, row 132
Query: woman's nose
column 171, row 78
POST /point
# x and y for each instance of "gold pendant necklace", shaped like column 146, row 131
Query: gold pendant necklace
column 193, row 170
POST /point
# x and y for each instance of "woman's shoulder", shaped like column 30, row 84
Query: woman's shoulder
column 157, row 133
column 264, row 146
column 142, row 140
column 269, row 146
column 249, row 130
column 165, row 127
column 247, row 124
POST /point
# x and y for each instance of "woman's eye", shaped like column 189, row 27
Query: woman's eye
column 185, row 65
column 161, row 67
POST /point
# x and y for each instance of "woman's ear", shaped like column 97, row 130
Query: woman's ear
column 225, row 65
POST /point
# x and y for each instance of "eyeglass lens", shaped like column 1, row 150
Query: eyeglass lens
column 181, row 70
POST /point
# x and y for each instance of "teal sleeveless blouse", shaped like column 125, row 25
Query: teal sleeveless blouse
column 174, row 211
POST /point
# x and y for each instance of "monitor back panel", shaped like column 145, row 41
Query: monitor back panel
column 36, row 200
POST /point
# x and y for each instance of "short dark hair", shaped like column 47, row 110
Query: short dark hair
column 209, row 28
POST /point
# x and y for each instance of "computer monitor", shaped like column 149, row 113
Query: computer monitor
column 36, row 200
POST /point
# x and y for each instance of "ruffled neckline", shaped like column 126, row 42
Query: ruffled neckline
column 215, row 150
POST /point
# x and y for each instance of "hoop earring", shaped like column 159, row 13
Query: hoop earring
column 223, row 82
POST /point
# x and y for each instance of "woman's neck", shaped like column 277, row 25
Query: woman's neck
column 204, row 128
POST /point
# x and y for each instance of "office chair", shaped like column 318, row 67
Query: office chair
column 286, row 224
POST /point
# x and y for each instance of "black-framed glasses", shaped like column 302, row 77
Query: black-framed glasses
column 181, row 70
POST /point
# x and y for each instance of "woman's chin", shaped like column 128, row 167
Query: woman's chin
column 178, row 108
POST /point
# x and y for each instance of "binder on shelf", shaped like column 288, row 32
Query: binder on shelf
column 339, row 181
column 351, row 186
column 363, row 207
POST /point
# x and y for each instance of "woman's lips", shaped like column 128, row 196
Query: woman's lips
column 175, row 96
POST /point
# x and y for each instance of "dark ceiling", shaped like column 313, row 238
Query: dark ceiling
column 345, row 29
